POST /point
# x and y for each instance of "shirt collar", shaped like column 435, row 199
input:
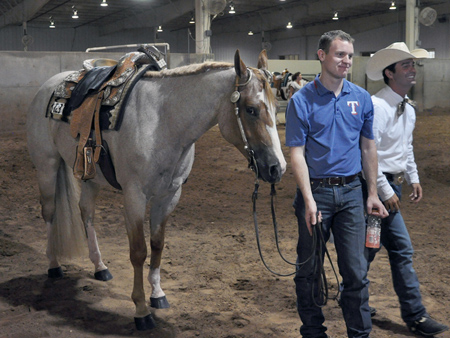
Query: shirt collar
column 394, row 98
column 321, row 90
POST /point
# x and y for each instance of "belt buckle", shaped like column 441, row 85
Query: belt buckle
column 399, row 179
column 340, row 181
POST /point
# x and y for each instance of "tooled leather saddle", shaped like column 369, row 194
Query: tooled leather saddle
column 91, row 100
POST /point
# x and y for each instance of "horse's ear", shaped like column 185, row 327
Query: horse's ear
column 239, row 65
column 262, row 60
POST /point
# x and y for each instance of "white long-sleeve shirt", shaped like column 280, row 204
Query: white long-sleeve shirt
column 393, row 138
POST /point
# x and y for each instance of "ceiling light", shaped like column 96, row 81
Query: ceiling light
column 52, row 23
column 231, row 11
column 159, row 29
column 289, row 25
column 192, row 20
column 335, row 16
column 104, row 3
column 392, row 6
column 250, row 33
column 75, row 13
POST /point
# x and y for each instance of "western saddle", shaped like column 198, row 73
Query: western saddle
column 91, row 100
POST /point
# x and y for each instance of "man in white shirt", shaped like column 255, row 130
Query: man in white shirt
column 394, row 120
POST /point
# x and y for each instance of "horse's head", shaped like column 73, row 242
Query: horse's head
column 255, row 131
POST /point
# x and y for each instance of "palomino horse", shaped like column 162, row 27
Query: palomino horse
column 153, row 153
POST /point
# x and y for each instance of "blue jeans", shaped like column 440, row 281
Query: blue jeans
column 342, row 210
column 396, row 240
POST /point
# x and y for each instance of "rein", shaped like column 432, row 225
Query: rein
column 317, row 249
column 319, row 245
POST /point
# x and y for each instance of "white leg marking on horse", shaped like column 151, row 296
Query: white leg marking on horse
column 94, row 252
column 52, row 261
column 154, row 278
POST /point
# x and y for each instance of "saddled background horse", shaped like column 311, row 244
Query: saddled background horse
column 153, row 153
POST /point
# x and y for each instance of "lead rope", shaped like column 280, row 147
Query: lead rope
column 319, row 261
column 317, row 249
column 255, row 222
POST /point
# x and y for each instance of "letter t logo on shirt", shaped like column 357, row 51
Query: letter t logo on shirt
column 353, row 104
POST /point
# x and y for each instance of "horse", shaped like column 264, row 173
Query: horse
column 152, row 153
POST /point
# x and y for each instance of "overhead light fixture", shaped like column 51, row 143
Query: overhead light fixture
column 231, row 11
column 393, row 6
column 192, row 19
column 75, row 13
column 335, row 16
column 159, row 29
column 104, row 3
column 52, row 23
column 289, row 25
column 250, row 33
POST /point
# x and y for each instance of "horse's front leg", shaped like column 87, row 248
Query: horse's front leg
column 89, row 194
column 135, row 204
column 159, row 214
column 158, row 298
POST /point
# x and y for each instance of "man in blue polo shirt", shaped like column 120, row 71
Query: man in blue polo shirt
column 329, row 132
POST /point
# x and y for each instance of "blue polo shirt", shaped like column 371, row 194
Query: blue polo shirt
column 330, row 127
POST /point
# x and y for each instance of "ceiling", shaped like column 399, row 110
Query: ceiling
column 174, row 15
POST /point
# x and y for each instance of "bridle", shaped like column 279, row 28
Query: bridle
column 235, row 96
column 317, row 236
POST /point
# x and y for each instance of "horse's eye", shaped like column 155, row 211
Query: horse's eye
column 252, row 111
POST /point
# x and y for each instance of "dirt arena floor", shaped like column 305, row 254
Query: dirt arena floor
column 211, row 270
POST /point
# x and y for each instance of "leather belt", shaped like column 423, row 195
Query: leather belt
column 397, row 179
column 343, row 180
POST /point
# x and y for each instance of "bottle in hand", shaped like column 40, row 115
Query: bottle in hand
column 373, row 232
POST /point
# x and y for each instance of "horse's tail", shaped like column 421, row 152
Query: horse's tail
column 67, row 235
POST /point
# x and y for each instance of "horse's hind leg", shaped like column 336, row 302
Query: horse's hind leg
column 47, row 182
column 59, row 200
column 89, row 194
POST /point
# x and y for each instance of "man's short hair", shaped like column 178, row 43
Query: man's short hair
column 392, row 69
column 327, row 38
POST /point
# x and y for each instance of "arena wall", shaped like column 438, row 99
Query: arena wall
column 22, row 73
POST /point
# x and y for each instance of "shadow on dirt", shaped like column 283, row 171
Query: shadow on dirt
column 61, row 300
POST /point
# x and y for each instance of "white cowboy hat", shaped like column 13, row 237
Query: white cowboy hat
column 396, row 52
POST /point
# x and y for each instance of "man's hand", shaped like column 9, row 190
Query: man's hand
column 375, row 207
column 392, row 204
column 311, row 215
column 416, row 194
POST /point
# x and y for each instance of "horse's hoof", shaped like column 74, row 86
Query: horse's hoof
column 144, row 323
column 159, row 303
column 103, row 275
column 55, row 273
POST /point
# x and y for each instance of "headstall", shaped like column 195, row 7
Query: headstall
column 235, row 96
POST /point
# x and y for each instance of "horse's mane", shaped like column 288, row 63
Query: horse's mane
column 193, row 69
column 199, row 68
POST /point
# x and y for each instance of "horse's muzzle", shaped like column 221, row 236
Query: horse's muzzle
column 270, row 173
